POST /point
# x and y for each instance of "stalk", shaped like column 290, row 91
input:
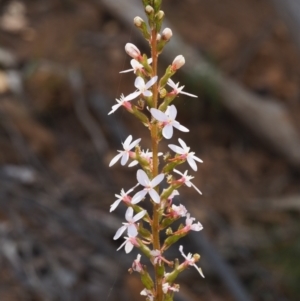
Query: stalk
column 155, row 142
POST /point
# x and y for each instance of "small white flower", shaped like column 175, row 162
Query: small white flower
column 168, row 121
column 149, row 187
column 179, row 210
column 190, row 226
column 186, row 180
column 190, row 261
column 127, row 145
column 142, row 88
column 131, row 223
column 185, row 153
column 129, row 243
column 148, row 294
column 122, row 197
column 136, row 66
column 145, row 155
column 178, row 90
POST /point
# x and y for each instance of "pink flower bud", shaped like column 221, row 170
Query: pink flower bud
column 178, row 62
column 133, row 51
column 167, row 34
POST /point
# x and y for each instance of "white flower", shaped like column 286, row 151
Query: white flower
column 190, row 226
column 120, row 102
column 190, row 261
column 168, row 121
column 185, row 153
column 136, row 66
column 129, row 243
column 127, row 145
column 148, row 294
column 178, row 90
column 122, row 197
column 130, row 225
column 145, row 155
column 167, row 34
column 142, row 87
column 186, row 180
column 179, row 210
column 149, row 187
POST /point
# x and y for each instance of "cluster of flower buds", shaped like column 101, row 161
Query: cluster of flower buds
column 142, row 229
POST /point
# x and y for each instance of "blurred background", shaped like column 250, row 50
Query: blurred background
column 59, row 77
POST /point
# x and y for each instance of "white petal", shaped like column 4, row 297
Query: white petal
column 127, row 142
column 139, row 83
column 176, row 149
column 155, row 196
column 128, row 247
column 188, row 94
column 122, row 245
column 138, row 196
column 125, row 158
column 180, row 127
column 182, row 143
column 132, row 96
column 192, row 163
column 126, row 71
column 172, row 112
column 178, row 172
column 139, row 215
column 142, row 177
column 134, row 143
column 147, row 93
column 133, row 163
column 196, row 188
column 196, row 227
column 159, row 115
column 151, row 82
column 197, row 159
column 168, row 131
column 129, row 214
column 115, row 205
column 171, row 83
column 157, row 180
column 119, row 232
column 132, row 231
column 115, row 159
column 114, row 108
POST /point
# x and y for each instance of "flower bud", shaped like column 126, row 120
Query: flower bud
column 178, row 62
column 167, row 34
column 133, row 51
column 160, row 15
column 138, row 21
column 158, row 37
column 149, row 10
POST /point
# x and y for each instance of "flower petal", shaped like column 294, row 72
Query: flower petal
column 129, row 214
column 115, row 159
column 132, row 96
column 139, row 215
column 180, row 127
column 192, row 163
column 139, row 83
column 119, row 232
column 125, row 158
column 134, row 143
column 176, row 149
column 151, row 82
column 115, row 205
column 172, row 112
column 168, row 131
column 132, row 231
column 157, row 180
column 155, row 196
column 128, row 247
column 138, row 196
column 142, row 177
column 159, row 115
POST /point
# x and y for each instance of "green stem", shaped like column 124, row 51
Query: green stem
column 155, row 141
